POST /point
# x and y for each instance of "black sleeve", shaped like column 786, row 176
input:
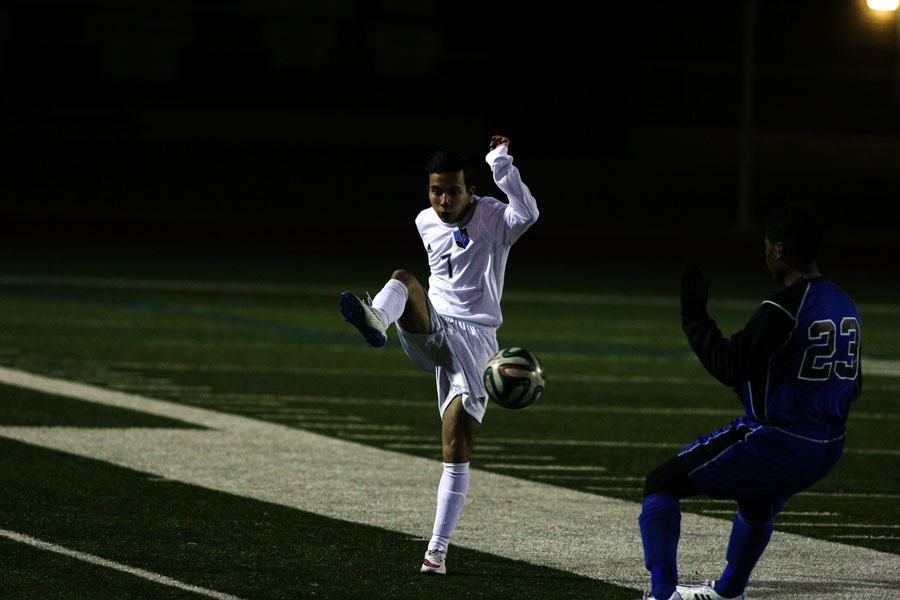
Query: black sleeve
column 732, row 361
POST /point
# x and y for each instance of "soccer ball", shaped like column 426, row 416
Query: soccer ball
column 514, row 378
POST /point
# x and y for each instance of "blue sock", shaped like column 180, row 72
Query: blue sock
column 747, row 542
column 660, row 523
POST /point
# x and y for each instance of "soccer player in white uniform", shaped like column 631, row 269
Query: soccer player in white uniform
column 452, row 328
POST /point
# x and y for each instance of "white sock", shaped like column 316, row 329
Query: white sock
column 451, row 494
column 390, row 302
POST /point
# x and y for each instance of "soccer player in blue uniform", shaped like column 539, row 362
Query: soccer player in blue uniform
column 796, row 369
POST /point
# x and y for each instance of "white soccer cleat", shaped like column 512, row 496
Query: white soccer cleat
column 435, row 562
column 674, row 596
column 704, row 591
column 361, row 315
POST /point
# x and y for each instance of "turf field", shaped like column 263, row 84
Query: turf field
column 108, row 494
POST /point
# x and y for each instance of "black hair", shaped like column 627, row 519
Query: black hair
column 799, row 228
column 449, row 161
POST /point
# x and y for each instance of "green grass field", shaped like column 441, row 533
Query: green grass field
column 261, row 336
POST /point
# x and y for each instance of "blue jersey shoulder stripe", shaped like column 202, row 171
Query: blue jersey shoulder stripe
column 786, row 311
column 760, row 404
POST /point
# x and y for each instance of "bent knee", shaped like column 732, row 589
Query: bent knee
column 409, row 280
column 669, row 478
column 405, row 277
column 756, row 511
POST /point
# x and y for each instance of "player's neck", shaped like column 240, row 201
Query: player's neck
column 467, row 214
column 794, row 274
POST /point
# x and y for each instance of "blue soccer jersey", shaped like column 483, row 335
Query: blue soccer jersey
column 796, row 364
column 796, row 368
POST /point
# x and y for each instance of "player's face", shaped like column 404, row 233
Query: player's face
column 776, row 266
column 449, row 196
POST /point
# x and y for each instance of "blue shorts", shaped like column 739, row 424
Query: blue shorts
column 750, row 462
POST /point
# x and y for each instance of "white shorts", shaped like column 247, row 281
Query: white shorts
column 457, row 351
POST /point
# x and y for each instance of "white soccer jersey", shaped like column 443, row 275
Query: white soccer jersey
column 468, row 259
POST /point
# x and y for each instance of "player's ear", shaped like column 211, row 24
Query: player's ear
column 470, row 190
column 779, row 250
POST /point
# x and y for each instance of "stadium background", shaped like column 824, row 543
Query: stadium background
column 188, row 186
column 302, row 126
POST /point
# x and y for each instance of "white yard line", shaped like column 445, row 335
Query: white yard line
column 594, row 443
column 476, row 455
column 872, row 366
column 434, row 444
column 865, row 537
column 784, row 513
column 545, row 467
column 850, row 525
column 244, row 287
column 543, row 524
column 110, row 564
column 585, row 477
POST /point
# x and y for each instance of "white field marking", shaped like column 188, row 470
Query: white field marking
column 274, row 369
column 586, row 443
column 864, row 537
column 663, row 445
column 784, row 513
column 845, row 525
column 849, row 495
column 872, row 451
column 206, row 396
column 877, row 366
column 261, row 403
column 874, row 367
column 882, row 387
column 357, row 426
column 166, row 285
column 593, row 443
column 585, row 477
column 244, row 287
column 96, row 560
column 606, row 488
column 140, row 386
column 279, row 400
column 566, row 529
column 546, row 467
column 706, row 501
column 395, row 437
column 476, row 455
column 436, row 444
column 680, row 410
column 278, row 410
column 312, row 420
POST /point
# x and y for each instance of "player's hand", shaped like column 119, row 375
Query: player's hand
column 694, row 291
column 499, row 140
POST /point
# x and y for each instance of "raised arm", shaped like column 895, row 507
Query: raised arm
column 522, row 211
column 730, row 360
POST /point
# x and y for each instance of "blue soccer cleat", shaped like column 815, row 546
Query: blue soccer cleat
column 361, row 315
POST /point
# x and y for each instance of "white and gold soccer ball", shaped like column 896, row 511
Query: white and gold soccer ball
column 514, row 378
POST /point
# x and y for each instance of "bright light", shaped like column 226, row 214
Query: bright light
column 883, row 4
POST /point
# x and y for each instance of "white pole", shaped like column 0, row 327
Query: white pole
column 897, row 59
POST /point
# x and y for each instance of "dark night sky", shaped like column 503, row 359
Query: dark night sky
column 281, row 122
